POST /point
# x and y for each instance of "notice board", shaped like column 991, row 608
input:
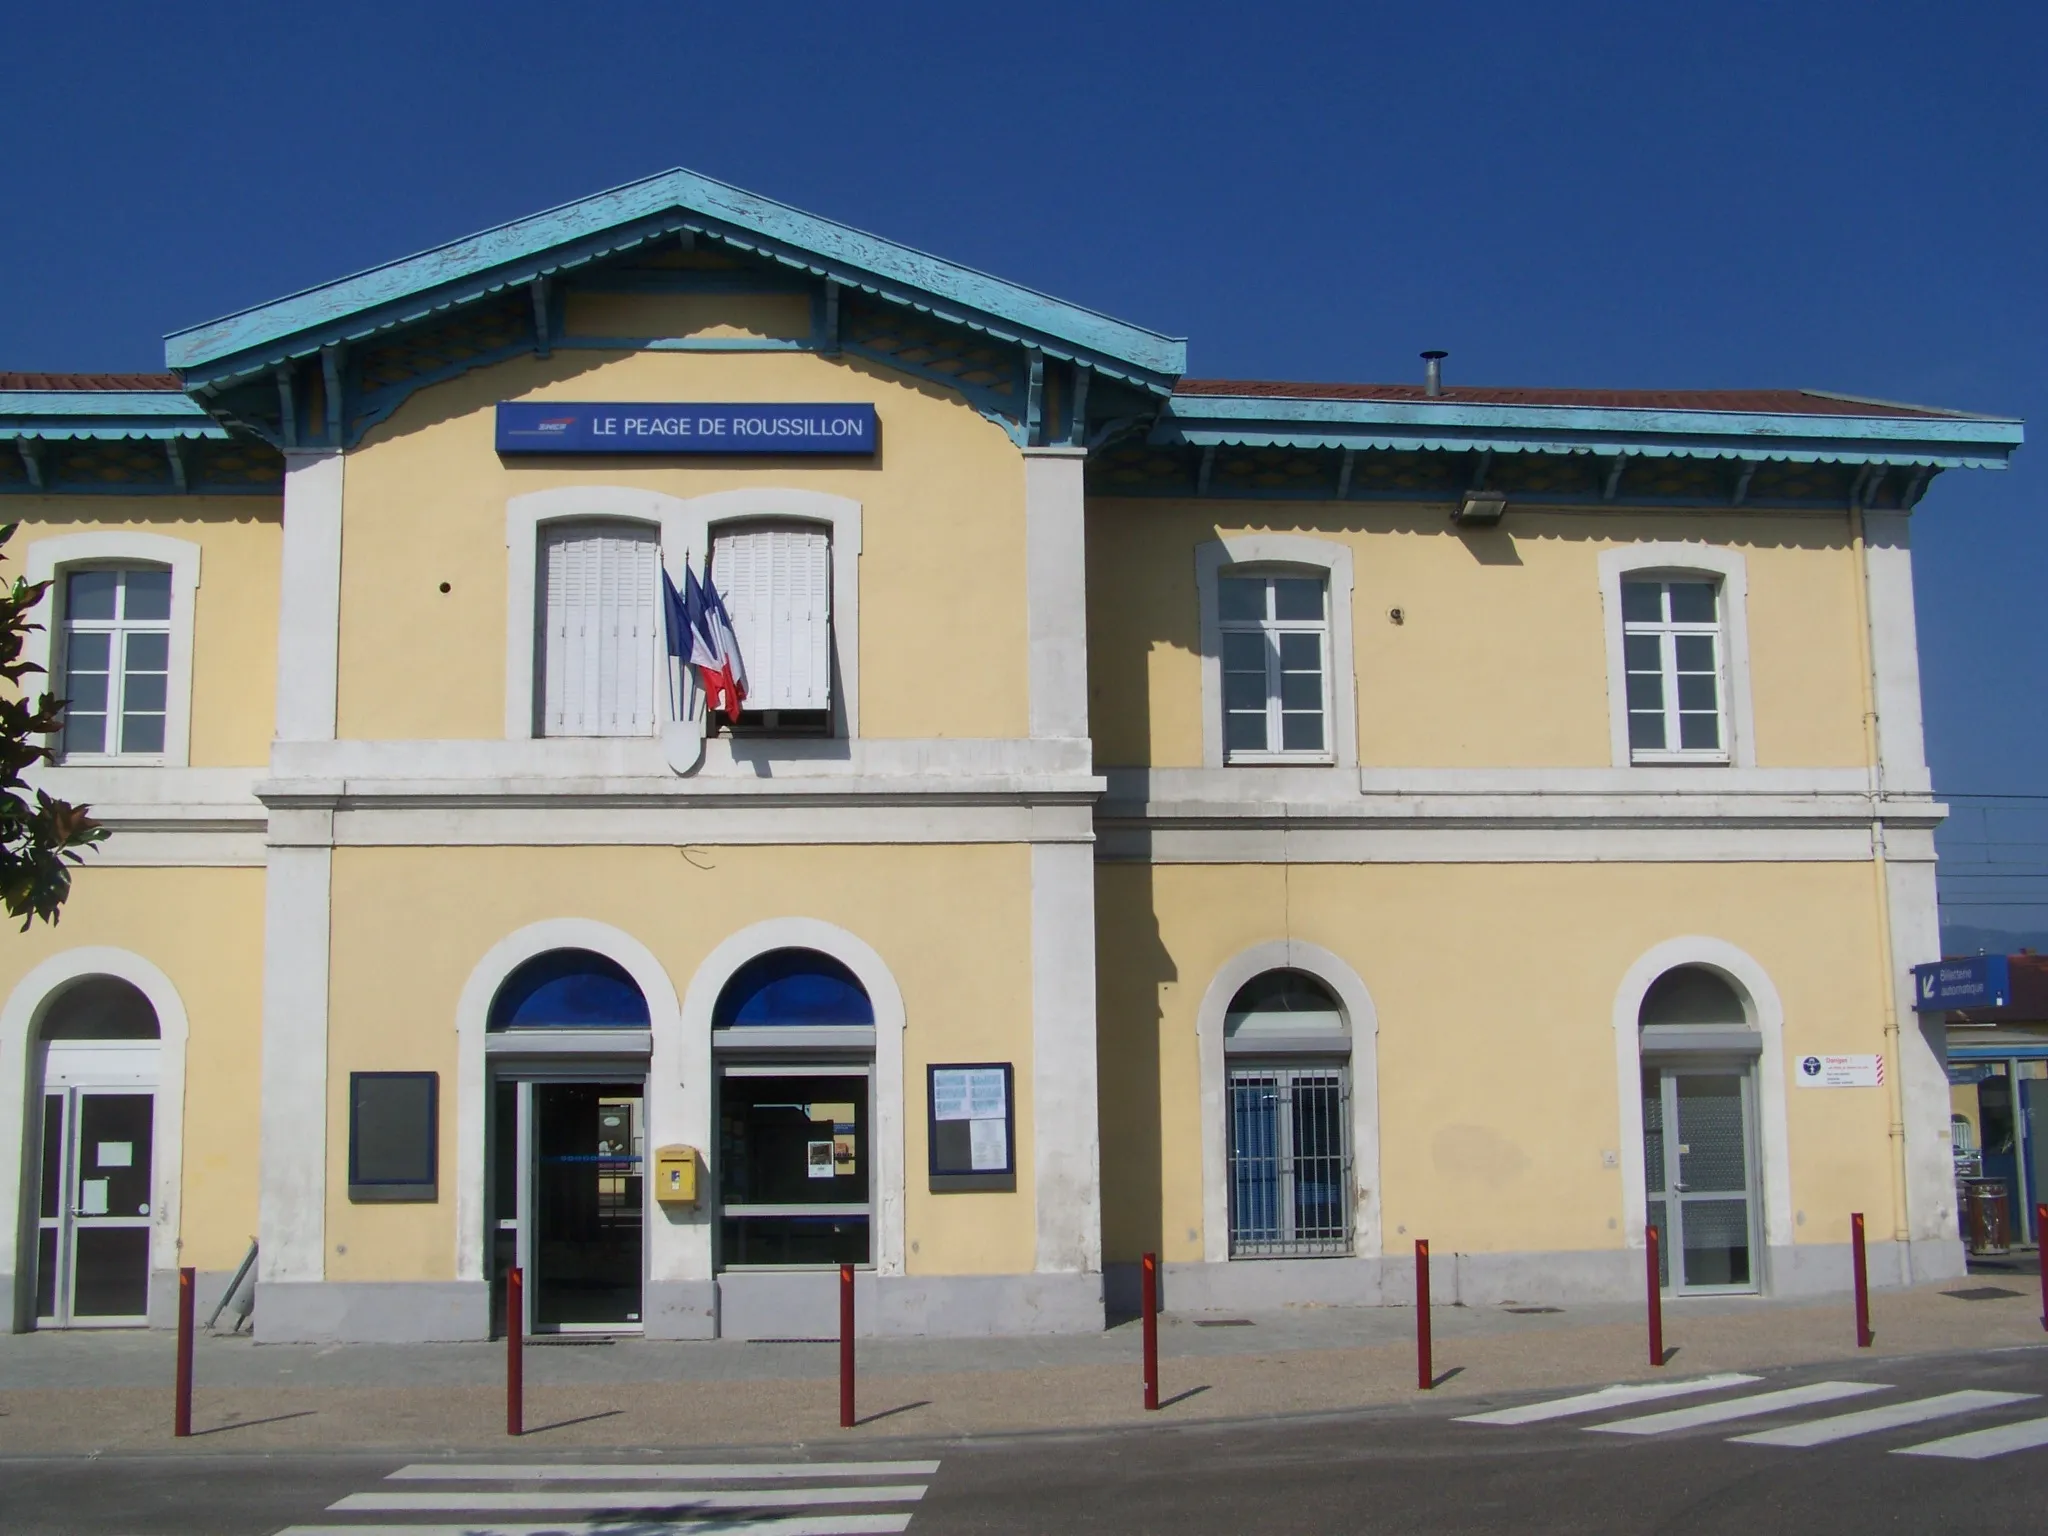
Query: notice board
column 972, row 1126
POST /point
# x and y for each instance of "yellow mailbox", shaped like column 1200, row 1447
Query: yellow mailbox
column 675, row 1175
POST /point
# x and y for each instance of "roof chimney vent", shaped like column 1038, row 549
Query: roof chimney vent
column 1433, row 373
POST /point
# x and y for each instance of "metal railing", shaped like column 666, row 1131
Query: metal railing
column 1290, row 1161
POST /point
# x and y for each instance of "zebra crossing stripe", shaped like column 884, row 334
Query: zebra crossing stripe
column 1871, row 1421
column 801, row 1525
column 1740, row 1408
column 1982, row 1444
column 647, row 1499
column 1606, row 1397
column 592, row 1472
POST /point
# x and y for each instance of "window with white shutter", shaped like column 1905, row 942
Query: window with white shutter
column 599, row 639
column 776, row 580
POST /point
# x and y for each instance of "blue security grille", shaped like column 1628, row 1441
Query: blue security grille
column 1290, row 1162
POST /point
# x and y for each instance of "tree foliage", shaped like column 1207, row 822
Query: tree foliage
column 40, row 837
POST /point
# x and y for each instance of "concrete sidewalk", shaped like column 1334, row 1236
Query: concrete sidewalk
column 86, row 1392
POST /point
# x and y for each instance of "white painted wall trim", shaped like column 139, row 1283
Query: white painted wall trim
column 292, row 1197
column 1278, row 549
column 685, row 527
column 1752, row 983
column 1361, row 1017
column 48, row 559
column 1066, row 1126
column 686, row 1057
column 309, row 598
column 1894, row 652
column 1922, row 1066
column 1680, row 558
column 668, row 1116
column 1056, row 587
column 20, row 1154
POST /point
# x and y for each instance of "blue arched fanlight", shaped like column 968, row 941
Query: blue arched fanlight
column 792, row 987
column 569, row 989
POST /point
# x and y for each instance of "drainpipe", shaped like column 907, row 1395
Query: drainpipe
column 1887, row 982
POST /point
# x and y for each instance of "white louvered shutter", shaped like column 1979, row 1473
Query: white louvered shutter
column 777, row 584
column 598, row 630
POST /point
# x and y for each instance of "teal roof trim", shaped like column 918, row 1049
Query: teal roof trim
column 1944, row 441
column 582, row 231
column 98, row 413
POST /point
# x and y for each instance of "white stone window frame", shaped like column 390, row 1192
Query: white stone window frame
column 1279, row 554
column 1361, row 1018
column 21, row 1021
column 684, row 526
column 54, row 558
column 1765, row 1013
column 1678, row 561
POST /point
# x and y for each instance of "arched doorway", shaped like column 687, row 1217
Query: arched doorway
column 567, row 1039
column 97, row 1053
column 793, row 1034
column 1287, row 1052
column 1699, row 1052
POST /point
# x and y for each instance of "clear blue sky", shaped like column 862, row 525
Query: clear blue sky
column 1847, row 197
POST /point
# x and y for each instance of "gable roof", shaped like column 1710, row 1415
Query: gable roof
column 670, row 203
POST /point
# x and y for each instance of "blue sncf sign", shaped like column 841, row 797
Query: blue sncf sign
column 1981, row 981
column 527, row 426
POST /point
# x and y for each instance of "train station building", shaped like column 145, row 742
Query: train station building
column 1261, row 823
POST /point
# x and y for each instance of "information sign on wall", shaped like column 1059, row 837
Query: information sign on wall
column 1978, row 981
column 973, row 1136
column 542, row 426
column 1839, row 1072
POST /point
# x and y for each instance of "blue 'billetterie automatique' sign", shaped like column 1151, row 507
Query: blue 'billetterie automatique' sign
column 529, row 426
column 1980, row 981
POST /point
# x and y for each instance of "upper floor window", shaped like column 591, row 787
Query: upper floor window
column 776, row 581
column 1672, row 650
column 599, row 641
column 1275, row 630
column 116, row 661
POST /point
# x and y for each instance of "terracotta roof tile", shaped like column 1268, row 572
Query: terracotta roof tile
column 91, row 382
column 1794, row 402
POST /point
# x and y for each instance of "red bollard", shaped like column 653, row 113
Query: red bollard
column 1425, row 1371
column 1656, row 1287
column 1863, row 1333
column 2041, row 1241
column 1148, row 1311
column 846, row 1346
column 181, row 1415
column 515, row 1338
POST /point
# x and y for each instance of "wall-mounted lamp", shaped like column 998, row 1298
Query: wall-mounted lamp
column 1480, row 509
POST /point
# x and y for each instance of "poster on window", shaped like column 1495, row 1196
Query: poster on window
column 972, row 1127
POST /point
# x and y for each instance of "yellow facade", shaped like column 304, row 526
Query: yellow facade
column 234, row 641
column 1026, row 848
column 204, row 929
column 942, row 556
column 1500, row 656
column 1495, row 987
column 412, row 923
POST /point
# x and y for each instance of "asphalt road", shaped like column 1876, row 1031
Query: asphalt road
column 1408, row 1469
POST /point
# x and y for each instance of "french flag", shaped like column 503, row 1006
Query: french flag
column 700, row 634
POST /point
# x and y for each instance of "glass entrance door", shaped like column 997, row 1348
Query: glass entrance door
column 93, row 1218
column 1699, row 1176
column 569, row 1193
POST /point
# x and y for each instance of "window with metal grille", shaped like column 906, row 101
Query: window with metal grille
column 1290, row 1161
column 1672, row 648
column 1276, row 637
column 776, row 580
column 117, row 661
column 599, row 642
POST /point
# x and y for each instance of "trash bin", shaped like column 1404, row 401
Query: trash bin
column 1990, row 1230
